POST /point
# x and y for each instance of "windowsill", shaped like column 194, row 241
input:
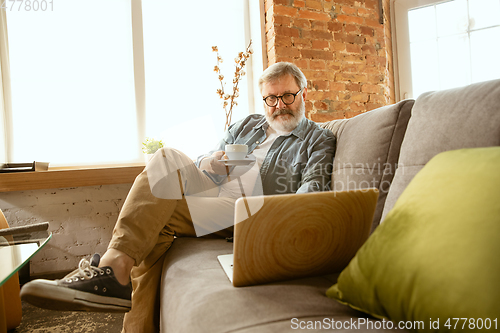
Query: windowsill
column 69, row 177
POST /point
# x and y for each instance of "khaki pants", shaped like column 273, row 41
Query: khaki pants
column 145, row 230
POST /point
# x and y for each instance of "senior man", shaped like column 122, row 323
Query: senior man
column 292, row 155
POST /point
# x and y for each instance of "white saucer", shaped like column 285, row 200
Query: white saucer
column 237, row 162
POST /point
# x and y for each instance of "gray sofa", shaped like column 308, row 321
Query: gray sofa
column 383, row 148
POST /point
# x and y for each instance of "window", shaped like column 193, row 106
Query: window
column 445, row 44
column 90, row 80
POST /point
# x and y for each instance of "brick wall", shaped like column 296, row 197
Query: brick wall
column 342, row 49
column 81, row 221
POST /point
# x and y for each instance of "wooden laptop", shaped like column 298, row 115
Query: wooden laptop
column 282, row 237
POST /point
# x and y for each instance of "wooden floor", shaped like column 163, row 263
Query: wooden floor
column 40, row 320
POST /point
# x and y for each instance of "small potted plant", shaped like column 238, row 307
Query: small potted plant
column 150, row 146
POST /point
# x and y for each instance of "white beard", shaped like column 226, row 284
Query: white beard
column 289, row 124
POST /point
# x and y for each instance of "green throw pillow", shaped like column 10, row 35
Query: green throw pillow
column 436, row 256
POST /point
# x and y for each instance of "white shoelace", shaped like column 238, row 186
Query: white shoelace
column 84, row 271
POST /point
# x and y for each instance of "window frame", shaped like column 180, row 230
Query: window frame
column 401, row 43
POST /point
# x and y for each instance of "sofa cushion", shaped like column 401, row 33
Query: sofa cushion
column 196, row 296
column 368, row 150
column 435, row 256
column 465, row 117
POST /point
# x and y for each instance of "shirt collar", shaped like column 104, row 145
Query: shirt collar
column 300, row 130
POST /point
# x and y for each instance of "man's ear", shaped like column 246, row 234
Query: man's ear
column 304, row 94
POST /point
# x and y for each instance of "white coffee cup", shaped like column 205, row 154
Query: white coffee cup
column 236, row 151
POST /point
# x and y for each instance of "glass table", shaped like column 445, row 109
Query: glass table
column 17, row 249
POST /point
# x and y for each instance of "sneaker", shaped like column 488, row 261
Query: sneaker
column 88, row 288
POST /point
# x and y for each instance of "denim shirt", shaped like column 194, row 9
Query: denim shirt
column 299, row 162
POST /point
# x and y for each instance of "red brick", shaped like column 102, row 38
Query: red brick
column 355, row 39
column 373, row 106
column 318, row 75
column 371, row 88
column 302, row 63
column 350, row 19
column 354, row 68
column 282, row 20
column 351, row 28
column 353, row 48
column 372, row 4
column 317, row 64
column 363, row 12
column 337, row 86
column 335, row 26
column 283, row 41
column 285, row 58
column 323, row 117
column 369, row 49
column 320, row 44
column 289, row 32
column 349, row 10
column 290, row 52
column 301, row 23
column 379, row 31
column 317, row 34
column 333, row 95
column 315, row 95
column 314, row 4
column 339, row 36
column 375, row 60
column 316, row 54
column 333, row 66
column 340, row 105
column 359, row 97
column 312, row 15
column 337, row 46
column 282, row 2
column 376, row 79
column 350, row 77
column 309, row 105
column 377, row 99
column 357, row 108
column 320, row 85
column 346, row 2
column 299, row 3
column 318, row 25
column 321, row 106
column 353, row 87
column 351, row 58
column 367, row 31
column 302, row 42
column 372, row 22
column 285, row 10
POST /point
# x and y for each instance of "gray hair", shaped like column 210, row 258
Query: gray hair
column 274, row 72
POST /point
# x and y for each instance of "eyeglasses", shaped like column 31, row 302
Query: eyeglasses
column 287, row 99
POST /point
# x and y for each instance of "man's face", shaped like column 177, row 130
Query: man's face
column 284, row 117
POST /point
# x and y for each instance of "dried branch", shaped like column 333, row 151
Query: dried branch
column 229, row 100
